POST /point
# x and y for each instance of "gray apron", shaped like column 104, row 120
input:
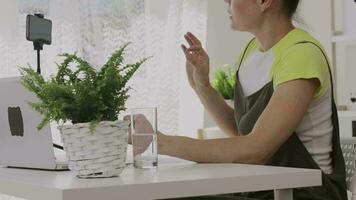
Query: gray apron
column 292, row 153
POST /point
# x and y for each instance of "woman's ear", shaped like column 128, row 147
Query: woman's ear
column 264, row 4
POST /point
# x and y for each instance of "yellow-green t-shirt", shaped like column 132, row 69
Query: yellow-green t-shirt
column 287, row 61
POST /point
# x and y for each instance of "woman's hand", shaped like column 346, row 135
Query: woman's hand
column 142, row 126
column 197, row 62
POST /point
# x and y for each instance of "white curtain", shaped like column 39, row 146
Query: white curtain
column 95, row 28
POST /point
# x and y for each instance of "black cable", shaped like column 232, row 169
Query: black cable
column 58, row 146
column 38, row 61
column 38, row 47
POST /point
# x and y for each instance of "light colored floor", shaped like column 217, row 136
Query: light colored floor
column 5, row 197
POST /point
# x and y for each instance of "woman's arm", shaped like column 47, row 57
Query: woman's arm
column 278, row 121
column 222, row 114
column 197, row 68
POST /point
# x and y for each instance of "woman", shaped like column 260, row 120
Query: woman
column 284, row 108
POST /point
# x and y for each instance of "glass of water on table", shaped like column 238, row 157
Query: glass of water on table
column 144, row 137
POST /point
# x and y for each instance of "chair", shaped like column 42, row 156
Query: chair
column 348, row 146
column 210, row 133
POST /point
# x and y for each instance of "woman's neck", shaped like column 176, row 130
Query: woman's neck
column 271, row 32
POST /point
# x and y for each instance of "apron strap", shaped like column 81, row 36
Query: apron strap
column 327, row 62
column 244, row 54
column 334, row 108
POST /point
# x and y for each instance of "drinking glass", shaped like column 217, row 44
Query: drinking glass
column 144, row 137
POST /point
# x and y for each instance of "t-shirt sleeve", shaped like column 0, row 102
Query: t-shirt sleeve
column 303, row 61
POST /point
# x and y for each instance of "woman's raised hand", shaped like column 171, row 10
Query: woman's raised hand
column 197, row 62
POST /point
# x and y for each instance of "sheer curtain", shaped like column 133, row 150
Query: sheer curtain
column 94, row 29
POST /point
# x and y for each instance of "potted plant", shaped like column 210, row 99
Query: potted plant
column 224, row 82
column 89, row 100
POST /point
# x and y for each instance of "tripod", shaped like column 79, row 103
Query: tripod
column 38, row 46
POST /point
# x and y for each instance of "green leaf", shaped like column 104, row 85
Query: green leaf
column 83, row 94
column 224, row 81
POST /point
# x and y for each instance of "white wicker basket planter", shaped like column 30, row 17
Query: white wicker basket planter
column 98, row 154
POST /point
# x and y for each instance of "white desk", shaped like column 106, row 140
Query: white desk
column 170, row 180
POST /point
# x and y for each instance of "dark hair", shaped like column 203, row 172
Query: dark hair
column 290, row 7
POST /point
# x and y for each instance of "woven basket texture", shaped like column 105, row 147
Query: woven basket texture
column 98, row 154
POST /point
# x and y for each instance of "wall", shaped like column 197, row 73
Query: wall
column 223, row 44
column 316, row 17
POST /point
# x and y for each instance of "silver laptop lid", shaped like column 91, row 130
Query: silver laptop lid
column 21, row 144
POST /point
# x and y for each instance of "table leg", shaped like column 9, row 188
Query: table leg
column 283, row 194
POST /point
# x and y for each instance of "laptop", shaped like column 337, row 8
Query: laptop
column 21, row 144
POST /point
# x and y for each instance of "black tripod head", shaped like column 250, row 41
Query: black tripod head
column 39, row 31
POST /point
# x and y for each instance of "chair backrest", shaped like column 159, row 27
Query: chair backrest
column 210, row 133
column 348, row 146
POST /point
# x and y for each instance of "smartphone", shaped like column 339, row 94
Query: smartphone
column 38, row 29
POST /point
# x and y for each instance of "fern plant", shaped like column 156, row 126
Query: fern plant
column 84, row 94
column 224, row 81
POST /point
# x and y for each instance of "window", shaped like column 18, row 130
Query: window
column 94, row 29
